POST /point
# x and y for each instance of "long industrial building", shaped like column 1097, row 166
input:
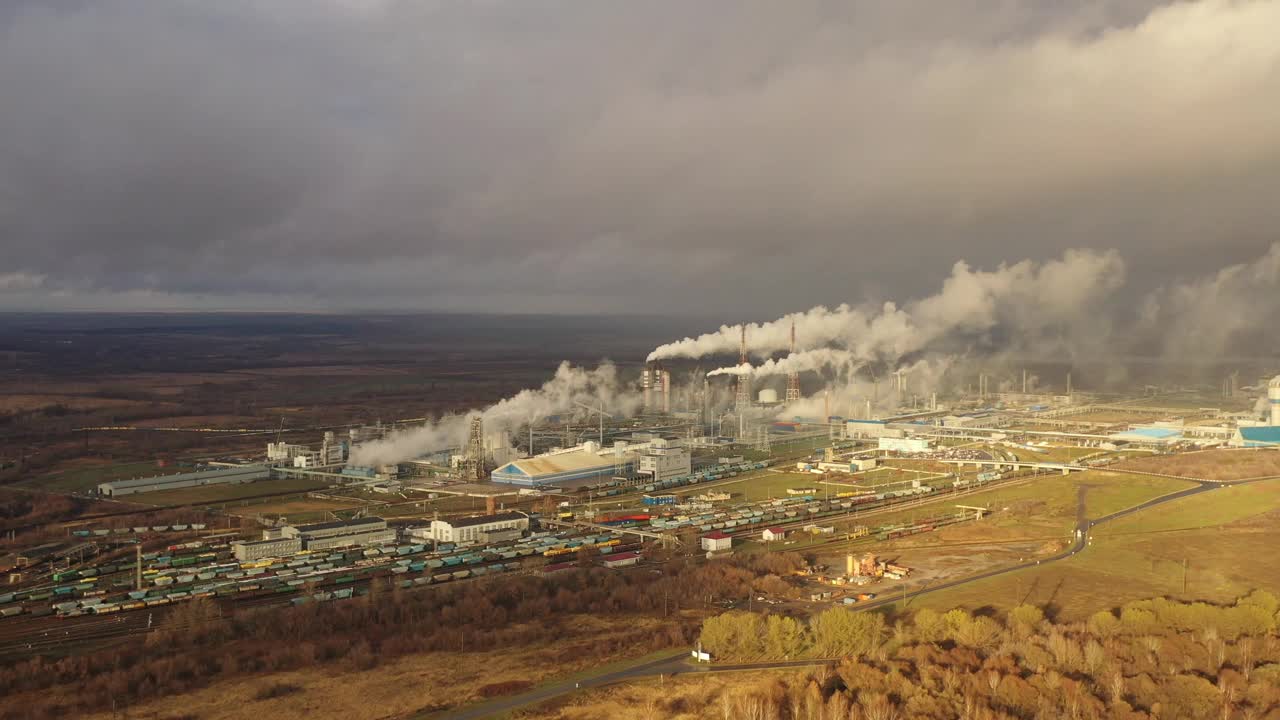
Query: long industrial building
column 481, row 528
column 581, row 464
column 250, row 550
column 343, row 533
column 287, row 540
column 219, row 476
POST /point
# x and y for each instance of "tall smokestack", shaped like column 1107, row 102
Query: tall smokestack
column 742, row 399
column 793, row 378
column 1024, row 381
column 666, row 391
column 1273, row 398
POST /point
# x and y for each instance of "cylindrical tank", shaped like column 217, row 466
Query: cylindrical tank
column 768, row 395
column 1273, row 395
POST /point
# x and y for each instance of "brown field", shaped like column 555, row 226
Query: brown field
column 293, row 508
column 1211, row 464
column 26, row 403
column 683, row 697
column 208, row 421
column 326, row 370
column 403, row 687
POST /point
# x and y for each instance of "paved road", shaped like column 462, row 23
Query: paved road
column 675, row 664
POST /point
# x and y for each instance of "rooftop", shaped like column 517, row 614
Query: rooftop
column 572, row 461
column 486, row 519
column 717, row 535
column 1262, row 434
column 340, row 524
column 616, row 557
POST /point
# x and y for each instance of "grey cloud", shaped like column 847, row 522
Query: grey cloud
column 750, row 157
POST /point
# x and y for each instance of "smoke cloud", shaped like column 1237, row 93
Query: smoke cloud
column 1026, row 302
column 1064, row 309
column 559, row 395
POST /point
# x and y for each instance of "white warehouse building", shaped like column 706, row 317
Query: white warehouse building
column 905, row 444
column 478, row 528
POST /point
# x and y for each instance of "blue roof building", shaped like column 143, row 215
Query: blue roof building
column 1261, row 436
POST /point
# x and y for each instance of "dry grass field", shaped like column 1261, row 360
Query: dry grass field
column 1212, row 464
column 1143, row 555
column 678, row 698
column 403, row 687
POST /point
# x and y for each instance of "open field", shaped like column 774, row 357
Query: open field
column 26, row 403
column 300, row 510
column 1212, row 464
column 1033, row 519
column 218, row 494
column 405, row 686
column 759, row 485
column 686, row 697
column 1223, row 506
column 88, row 475
column 1143, row 555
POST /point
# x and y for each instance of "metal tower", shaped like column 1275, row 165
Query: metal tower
column 742, row 399
column 793, row 378
column 473, row 463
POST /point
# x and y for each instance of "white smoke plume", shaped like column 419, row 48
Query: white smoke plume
column 817, row 360
column 1042, row 303
column 1205, row 315
column 558, row 395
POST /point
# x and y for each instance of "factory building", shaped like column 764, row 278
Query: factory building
column 1260, row 436
column 905, row 444
column 220, row 476
column 343, row 533
column 663, row 461
column 480, row 528
column 331, row 453
column 852, row 465
column 577, row 466
column 1152, row 436
column 870, row 429
column 249, row 550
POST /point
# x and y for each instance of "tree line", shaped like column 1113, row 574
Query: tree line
column 1150, row 659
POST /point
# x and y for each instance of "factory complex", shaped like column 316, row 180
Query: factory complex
column 287, row 540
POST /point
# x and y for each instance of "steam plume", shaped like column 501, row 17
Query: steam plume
column 569, row 385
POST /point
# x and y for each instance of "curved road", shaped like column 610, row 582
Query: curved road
column 675, row 664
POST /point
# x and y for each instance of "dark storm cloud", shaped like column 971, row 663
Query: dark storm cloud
column 602, row 156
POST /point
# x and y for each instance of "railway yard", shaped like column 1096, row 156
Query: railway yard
column 139, row 575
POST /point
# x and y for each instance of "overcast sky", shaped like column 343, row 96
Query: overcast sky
column 744, row 158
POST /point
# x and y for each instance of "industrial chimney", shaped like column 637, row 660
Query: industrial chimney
column 1273, row 396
